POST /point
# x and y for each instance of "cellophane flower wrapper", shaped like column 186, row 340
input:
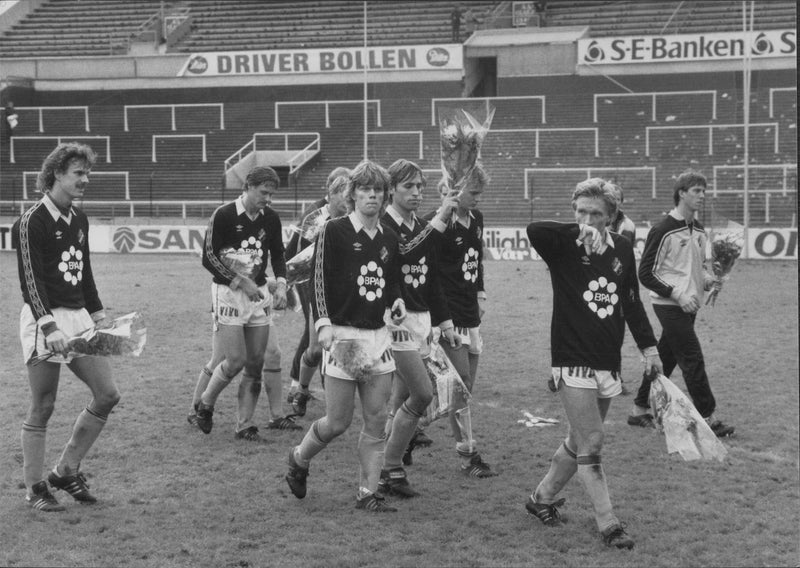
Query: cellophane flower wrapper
column 242, row 262
column 123, row 336
column 461, row 136
column 312, row 225
column 446, row 382
column 686, row 432
column 299, row 267
column 725, row 249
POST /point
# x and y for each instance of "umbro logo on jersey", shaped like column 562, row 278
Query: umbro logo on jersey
column 585, row 260
column 239, row 228
column 59, row 234
column 459, row 240
column 357, row 246
column 601, row 297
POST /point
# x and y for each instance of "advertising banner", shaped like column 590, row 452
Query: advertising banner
column 505, row 243
column 687, row 47
column 334, row 60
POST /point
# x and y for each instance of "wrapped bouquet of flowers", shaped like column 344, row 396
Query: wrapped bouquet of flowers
column 125, row 335
column 445, row 381
column 298, row 268
column 242, row 262
column 352, row 355
column 725, row 249
column 312, row 225
column 685, row 430
column 461, row 136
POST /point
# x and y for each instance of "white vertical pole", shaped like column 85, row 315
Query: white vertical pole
column 747, row 31
column 366, row 94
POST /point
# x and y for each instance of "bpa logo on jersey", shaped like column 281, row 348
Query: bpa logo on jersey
column 71, row 265
column 371, row 281
column 252, row 245
column 415, row 274
column 470, row 265
column 601, row 297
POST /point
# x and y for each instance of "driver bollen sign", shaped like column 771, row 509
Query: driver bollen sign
column 340, row 60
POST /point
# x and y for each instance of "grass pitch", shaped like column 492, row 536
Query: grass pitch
column 171, row 496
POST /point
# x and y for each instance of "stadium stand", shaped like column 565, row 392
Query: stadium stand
column 106, row 27
column 583, row 125
column 610, row 18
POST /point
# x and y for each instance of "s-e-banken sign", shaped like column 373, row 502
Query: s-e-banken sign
column 339, row 60
column 687, row 47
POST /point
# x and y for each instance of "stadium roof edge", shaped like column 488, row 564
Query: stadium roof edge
column 527, row 36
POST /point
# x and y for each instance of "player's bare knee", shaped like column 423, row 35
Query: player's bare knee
column 41, row 411
column 592, row 443
column 419, row 402
column 337, row 427
column 233, row 364
column 272, row 359
column 253, row 367
column 107, row 399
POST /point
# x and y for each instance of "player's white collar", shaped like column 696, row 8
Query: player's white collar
column 398, row 218
column 358, row 225
column 55, row 212
column 240, row 208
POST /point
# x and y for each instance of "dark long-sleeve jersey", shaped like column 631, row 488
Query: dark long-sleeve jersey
column 588, row 326
column 673, row 261
column 355, row 276
column 419, row 280
column 460, row 265
column 230, row 226
column 55, row 270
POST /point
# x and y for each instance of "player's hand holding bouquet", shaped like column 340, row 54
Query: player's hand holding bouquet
column 725, row 249
column 125, row 335
column 461, row 136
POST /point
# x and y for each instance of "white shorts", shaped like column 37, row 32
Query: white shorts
column 471, row 337
column 607, row 383
column 71, row 322
column 233, row 307
column 356, row 353
column 414, row 334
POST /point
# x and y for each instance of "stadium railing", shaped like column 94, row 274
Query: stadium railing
column 40, row 110
column 326, row 105
column 59, row 140
column 172, row 108
column 710, row 128
column 654, row 96
column 140, row 209
column 202, row 137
